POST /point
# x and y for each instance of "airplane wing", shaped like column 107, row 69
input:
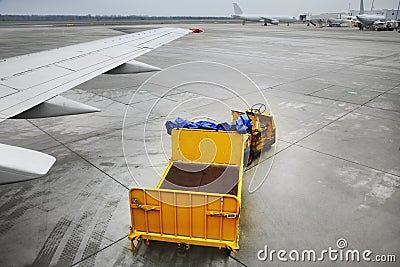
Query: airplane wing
column 30, row 84
column 29, row 80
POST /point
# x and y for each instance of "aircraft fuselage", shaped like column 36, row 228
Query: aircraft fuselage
column 270, row 19
column 368, row 20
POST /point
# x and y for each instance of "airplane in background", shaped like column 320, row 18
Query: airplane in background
column 367, row 20
column 271, row 19
column 334, row 22
column 346, row 20
column 30, row 86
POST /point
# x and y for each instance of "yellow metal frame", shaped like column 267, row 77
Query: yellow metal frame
column 207, row 146
column 193, row 218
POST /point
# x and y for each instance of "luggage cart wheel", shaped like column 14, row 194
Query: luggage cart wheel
column 183, row 247
column 226, row 252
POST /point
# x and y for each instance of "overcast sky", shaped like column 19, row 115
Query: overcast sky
column 183, row 7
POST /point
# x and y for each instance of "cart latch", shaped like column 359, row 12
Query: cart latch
column 144, row 207
column 222, row 214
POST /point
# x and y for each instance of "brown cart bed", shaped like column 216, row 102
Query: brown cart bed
column 219, row 179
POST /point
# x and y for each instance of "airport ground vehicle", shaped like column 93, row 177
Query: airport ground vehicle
column 262, row 134
column 383, row 26
column 197, row 200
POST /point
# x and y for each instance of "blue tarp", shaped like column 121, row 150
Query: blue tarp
column 242, row 125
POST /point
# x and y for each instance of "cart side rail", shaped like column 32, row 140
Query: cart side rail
column 185, row 217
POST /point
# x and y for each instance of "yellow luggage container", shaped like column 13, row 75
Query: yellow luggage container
column 197, row 200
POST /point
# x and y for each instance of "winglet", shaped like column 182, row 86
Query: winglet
column 20, row 164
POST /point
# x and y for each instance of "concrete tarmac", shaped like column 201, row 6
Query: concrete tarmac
column 333, row 174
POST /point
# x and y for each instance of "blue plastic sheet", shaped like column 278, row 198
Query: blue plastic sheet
column 242, row 125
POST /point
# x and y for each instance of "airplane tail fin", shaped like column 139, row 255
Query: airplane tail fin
column 362, row 7
column 237, row 9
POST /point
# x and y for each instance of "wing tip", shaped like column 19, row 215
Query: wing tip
column 20, row 164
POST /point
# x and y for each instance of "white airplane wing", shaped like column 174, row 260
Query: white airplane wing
column 30, row 84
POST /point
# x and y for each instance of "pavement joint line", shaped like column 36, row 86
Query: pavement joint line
column 49, row 148
column 95, row 253
column 383, row 109
column 385, row 92
column 130, row 104
column 238, row 261
column 382, row 93
column 324, row 126
column 335, row 120
column 301, row 139
column 116, row 101
column 309, row 102
column 99, row 134
column 106, row 89
column 344, row 159
column 293, row 81
column 329, row 71
column 109, row 98
column 284, row 83
column 347, row 86
column 218, row 52
column 347, row 160
column 279, row 96
column 348, row 65
column 315, row 75
column 312, row 94
column 83, row 138
column 338, row 100
column 378, row 117
column 169, row 87
column 154, row 83
column 80, row 156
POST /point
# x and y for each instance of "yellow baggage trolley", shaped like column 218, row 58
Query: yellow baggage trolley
column 198, row 198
